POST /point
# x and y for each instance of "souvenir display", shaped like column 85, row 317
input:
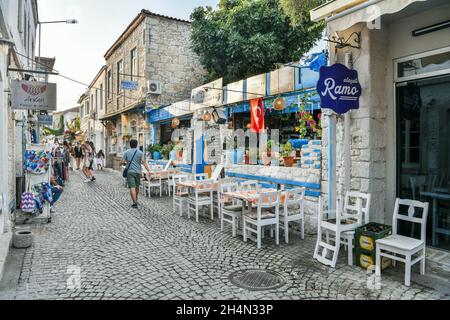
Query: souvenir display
column 37, row 162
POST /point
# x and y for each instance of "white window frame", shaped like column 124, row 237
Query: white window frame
column 398, row 79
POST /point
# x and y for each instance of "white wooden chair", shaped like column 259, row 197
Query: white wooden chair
column 152, row 183
column 200, row 176
column 401, row 248
column 202, row 197
column 293, row 211
column 216, row 194
column 261, row 216
column 230, row 210
column 327, row 250
column 249, row 185
column 180, row 194
column 168, row 165
column 357, row 207
column 217, row 171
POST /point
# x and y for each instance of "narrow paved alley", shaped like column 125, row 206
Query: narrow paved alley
column 151, row 253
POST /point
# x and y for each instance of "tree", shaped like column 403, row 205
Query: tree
column 298, row 10
column 246, row 37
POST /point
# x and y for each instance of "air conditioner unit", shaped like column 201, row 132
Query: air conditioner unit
column 153, row 87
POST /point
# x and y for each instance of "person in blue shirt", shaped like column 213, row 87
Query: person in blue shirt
column 134, row 159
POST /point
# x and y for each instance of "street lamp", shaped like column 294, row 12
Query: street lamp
column 40, row 23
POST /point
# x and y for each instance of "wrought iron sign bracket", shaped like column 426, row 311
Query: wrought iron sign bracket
column 353, row 41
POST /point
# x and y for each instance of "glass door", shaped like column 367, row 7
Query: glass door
column 423, row 152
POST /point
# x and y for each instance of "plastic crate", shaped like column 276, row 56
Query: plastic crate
column 365, row 237
column 365, row 259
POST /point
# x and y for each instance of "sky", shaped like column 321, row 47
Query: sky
column 79, row 48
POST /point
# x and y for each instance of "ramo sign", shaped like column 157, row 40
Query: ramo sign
column 339, row 88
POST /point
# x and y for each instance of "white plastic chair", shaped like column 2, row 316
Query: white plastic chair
column 262, row 216
column 411, row 250
column 180, row 194
column 230, row 210
column 202, row 197
column 293, row 211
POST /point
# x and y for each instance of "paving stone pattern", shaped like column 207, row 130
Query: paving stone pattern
column 152, row 253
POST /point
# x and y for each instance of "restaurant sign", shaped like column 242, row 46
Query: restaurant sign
column 208, row 95
column 339, row 88
column 29, row 95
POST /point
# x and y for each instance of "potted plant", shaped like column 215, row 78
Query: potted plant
column 178, row 148
column 157, row 152
column 267, row 156
column 150, row 150
column 286, row 153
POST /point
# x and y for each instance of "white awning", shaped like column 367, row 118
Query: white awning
column 365, row 12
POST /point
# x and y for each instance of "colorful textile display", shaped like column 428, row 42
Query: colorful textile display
column 27, row 203
column 37, row 162
column 42, row 194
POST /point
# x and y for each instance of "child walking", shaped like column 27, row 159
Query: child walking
column 99, row 160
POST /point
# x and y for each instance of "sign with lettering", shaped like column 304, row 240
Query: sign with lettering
column 339, row 88
column 208, row 95
column 28, row 95
column 129, row 85
column 45, row 120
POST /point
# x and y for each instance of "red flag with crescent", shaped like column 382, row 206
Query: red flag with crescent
column 257, row 113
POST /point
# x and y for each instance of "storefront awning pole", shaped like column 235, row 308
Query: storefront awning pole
column 331, row 162
column 347, row 159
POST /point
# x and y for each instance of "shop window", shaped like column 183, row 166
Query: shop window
column 134, row 128
column 420, row 66
column 423, row 152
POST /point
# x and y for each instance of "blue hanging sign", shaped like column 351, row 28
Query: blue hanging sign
column 339, row 88
column 129, row 85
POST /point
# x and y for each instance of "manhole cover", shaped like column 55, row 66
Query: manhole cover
column 257, row 280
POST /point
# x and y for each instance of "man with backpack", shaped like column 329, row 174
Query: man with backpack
column 133, row 159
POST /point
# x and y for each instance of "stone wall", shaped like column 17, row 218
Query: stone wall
column 117, row 101
column 170, row 59
column 295, row 174
column 368, row 124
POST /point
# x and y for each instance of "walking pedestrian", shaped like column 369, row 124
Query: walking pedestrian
column 99, row 160
column 92, row 159
column 87, row 162
column 134, row 159
column 78, row 154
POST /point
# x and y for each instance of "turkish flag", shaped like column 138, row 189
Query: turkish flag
column 257, row 113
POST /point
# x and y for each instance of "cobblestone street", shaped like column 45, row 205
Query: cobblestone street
column 152, row 253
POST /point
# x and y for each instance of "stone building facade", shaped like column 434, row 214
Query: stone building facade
column 154, row 52
column 393, row 54
column 18, row 24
